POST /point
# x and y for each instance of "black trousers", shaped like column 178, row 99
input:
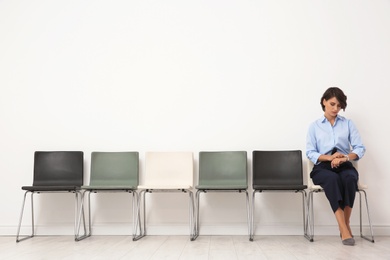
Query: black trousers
column 339, row 184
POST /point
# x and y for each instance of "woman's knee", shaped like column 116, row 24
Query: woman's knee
column 326, row 178
column 350, row 178
column 334, row 179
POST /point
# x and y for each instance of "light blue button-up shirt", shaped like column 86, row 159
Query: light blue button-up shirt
column 322, row 137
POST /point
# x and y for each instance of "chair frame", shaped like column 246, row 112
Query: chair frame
column 78, row 207
column 305, row 211
column 135, row 199
column 197, row 198
column 142, row 227
column 317, row 189
column 304, row 203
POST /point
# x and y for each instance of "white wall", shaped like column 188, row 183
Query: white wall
column 187, row 76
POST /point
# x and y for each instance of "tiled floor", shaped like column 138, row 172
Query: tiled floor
column 205, row 247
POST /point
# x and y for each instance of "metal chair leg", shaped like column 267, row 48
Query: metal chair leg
column 368, row 216
column 251, row 236
column 310, row 218
column 248, row 210
column 305, row 214
column 136, row 216
column 191, row 211
column 21, row 217
column 192, row 214
column 196, row 224
column 81, row 213
column 142, row 226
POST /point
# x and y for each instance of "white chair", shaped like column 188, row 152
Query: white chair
column 167, row 172
column 312, row 188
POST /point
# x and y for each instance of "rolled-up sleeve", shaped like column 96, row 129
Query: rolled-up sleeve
column 311, row 145
column 355, row 140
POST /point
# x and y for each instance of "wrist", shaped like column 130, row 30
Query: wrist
column 346, row 158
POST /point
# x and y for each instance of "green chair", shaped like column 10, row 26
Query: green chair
column 113, row 172
column 222, row 172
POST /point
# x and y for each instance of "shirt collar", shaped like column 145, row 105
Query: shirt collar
column 338, row 117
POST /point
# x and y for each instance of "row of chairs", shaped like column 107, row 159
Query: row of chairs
column 168, row 172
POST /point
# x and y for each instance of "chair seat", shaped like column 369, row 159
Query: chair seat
column 164, row 187
column 224, row 187
column 108, row 187
column 315, row 187
column 318, row 187
column 51, row 188
column 279, row 187
column 362, row 186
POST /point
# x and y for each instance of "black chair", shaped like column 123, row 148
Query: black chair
column 279, row 171
column 55, row 172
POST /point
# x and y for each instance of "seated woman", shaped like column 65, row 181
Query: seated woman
column 332, row 142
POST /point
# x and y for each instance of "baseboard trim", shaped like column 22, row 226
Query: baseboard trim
column 176, row 229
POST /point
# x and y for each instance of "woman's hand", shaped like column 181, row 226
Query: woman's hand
column 336, row 162
column 336, row 159
column 337, row 155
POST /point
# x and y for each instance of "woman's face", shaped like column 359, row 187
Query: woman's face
column 332, row 107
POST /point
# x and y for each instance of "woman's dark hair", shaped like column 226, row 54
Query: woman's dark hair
column 338, row 94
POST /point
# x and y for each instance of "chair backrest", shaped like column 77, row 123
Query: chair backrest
column 59, row 168
column 169, row 169
column 223, row 169
column 114, row 168
column 310, row 183
column 277, row 167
